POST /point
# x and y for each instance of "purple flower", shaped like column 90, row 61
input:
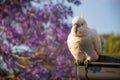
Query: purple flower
column 44, row 30
column 77, row 2
column 6, row 48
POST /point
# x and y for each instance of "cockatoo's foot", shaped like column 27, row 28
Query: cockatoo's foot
column 87, row 59
column 77, row 62
column 86, row 63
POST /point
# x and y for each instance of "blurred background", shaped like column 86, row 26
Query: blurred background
column 33, row 36
column 101, row 15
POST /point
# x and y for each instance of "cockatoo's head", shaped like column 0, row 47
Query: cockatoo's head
column 79, row 26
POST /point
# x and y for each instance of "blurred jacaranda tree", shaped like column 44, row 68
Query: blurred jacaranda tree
column 41, row 27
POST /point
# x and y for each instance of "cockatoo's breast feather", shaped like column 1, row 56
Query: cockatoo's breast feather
column 73, row 44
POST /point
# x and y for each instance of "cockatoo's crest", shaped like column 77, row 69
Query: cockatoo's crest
column 82, row 16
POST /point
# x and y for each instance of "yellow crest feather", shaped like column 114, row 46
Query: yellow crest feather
column 82, row 16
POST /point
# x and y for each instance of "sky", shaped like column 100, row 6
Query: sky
column 101, row 15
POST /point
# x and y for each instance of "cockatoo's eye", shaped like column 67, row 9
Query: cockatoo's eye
column 82, row 24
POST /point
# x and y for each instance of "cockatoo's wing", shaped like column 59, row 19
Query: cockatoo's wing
column 96, row 42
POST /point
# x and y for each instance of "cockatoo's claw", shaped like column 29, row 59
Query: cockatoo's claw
column 86, row 63
column 78, row 62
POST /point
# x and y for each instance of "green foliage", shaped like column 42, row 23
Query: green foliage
column 111, row 44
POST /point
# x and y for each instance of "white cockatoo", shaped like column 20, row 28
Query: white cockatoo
column 83, row 42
